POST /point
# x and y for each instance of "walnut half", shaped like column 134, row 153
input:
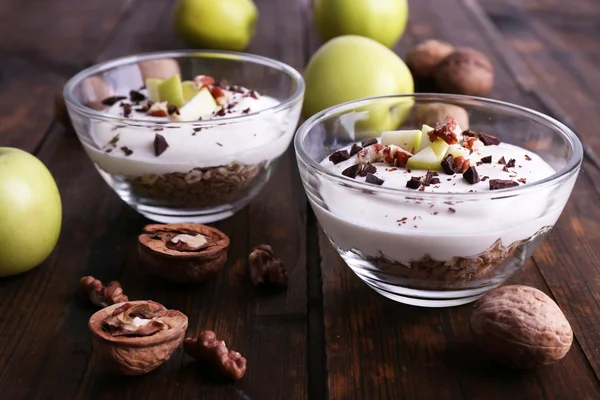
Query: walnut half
column 136, row 337
column 183, row 253
column 208, row 348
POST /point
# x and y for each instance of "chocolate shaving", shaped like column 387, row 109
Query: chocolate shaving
column 502, row 184
column 355, row 149
column 368, row 168
column 338, row 156
column 413, row 183
column 109, row 101
column 374, row 180
column 160, row 144
column 501, row 160
column 471, row 175
column 368, row 142
column 486, row 160
column 127, row 150
column 527, row 157
column 448, row 165
column 136, row 96
column 126, row 109
column 352, row 171
column 452, row 210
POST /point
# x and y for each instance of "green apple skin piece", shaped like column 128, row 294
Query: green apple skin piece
column 170, row 91
column 440, row 147
column 353, row 67
column 380, row 20
column 407, row 139
column 459, row 151
column 425, row 142
column 425, row 159
column 189, row 90
column 200, row 105
column 152, row 88
column 30, row 211
column 216, row 24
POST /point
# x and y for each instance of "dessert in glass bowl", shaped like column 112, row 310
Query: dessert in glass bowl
column 436, row 215
column 186, row 136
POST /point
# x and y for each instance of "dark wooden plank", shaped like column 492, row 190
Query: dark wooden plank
column 379, row 349
column 54, row 359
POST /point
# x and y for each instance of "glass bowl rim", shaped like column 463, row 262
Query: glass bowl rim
column 572, row 165
column 219, row 54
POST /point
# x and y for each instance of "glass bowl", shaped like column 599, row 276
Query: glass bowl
column 212, row 167
column 430, row 248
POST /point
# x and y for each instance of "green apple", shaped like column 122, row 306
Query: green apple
column 353, row 67
column 424, row 142
column 425, row 159
column 459, row 151
column 409, row 140
column 152, row 87
column 170, row 90
column 440, row 147
column 189, row 90
column 30, row 211
column 380, row 20
column 200, row 105
column 216, row 24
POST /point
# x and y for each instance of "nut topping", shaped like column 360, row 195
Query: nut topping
column 183, row 253
column 136, row 320
column 99, row 294
column 266, row 268
column 206, row 347
column 448, row 131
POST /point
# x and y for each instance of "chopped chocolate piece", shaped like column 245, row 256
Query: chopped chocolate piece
column 368, row 168
column 108, row 150
column 501, row 160
column 160, row 144
column 355, row 149
column 413, row 183
column 486, row 159
column 221, row 112
column 448, row 165
column 527, row 157
column 478, row 163
column 471, row 175
column 487, row 139
column 502, row 184
column 452, row 210
column 143, row 109
column 510, row 163
column 522, row 180
column 338, row 156
column 219, row 144
column 428, row 177
column 505, row 169
column 136, row 96
column 374, row 180
column 254, row 94
column 352, row 171
column 127, row 150
column 109, row 101
column 368, row 142
column 246, row 111
column 173, row 110
column 114, row 140
column 126, row 109
column 435, row 181
column 484, row 178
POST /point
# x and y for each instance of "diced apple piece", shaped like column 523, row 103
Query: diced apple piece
column 406, row 139
column 152, row 87
column 440, row 147
column 424, row 138
column 459, row 151
column 189, row 90
column 170, row 91
column 200, row 105
column 425, row 159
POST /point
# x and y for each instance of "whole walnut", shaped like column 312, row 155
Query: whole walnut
column 465, row 71
column 433, row 113
column 424, row 57
column 521, row 327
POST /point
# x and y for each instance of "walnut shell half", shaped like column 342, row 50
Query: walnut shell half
column 136, row 337
column 183, row 253
column 521, row 326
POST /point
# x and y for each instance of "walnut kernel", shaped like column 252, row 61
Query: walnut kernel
column 206, row 347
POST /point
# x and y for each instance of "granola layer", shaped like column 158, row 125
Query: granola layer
column 198, row 188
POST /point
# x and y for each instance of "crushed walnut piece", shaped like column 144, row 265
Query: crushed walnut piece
column 266, row 268
column 99, row 294
column 158, row 109
column 208, row 348
column 391, row 155
column 135, row 320
column 446, row 131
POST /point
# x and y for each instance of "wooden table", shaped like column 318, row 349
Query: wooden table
column 328, row 336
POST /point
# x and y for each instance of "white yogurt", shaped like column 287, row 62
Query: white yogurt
column 405, row 228
column 251, row 142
